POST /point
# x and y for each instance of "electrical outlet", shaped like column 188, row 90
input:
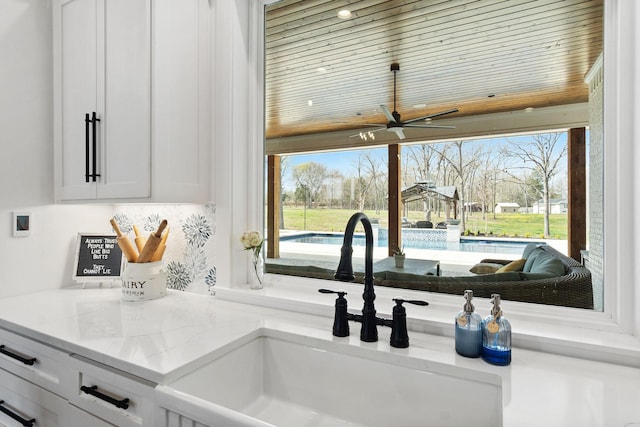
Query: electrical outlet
column 21, row 225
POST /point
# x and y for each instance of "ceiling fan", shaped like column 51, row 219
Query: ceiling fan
column 395, row 124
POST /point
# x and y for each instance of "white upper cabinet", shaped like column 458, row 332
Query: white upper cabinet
column 181, row 100
column 131, row 93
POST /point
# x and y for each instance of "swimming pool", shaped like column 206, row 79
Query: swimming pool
column 465, row 245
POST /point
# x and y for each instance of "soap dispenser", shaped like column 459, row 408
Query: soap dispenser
column 468, row 329
column 496, row 336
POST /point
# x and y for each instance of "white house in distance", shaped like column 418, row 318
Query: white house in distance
column 506, row 207
column 556, row 206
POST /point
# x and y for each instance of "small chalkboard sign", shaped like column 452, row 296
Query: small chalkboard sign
column 98, row 258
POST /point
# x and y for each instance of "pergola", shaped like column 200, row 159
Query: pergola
column 426, row 191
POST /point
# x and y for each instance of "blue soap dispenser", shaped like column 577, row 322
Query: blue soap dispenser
column 496, row 336
column 468, row 329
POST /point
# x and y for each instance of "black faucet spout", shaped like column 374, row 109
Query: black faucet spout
column 369, row 331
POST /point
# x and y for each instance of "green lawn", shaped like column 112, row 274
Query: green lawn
column 510, row 225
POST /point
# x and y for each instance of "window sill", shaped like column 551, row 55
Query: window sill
column 556, row 330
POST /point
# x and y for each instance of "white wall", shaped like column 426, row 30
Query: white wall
column 43, row 260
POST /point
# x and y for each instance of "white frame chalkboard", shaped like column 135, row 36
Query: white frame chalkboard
column 81, row 252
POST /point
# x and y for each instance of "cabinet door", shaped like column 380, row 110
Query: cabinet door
column 124, row 97
column 77, row 417
column 75, row 93
column 102, row 65
column 35, row 362
column 27, row 402
column 181, row 161
column 112, row 395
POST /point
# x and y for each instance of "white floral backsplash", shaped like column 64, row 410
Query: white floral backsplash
column 190, row 244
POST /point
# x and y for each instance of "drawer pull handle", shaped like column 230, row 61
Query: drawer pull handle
column 18, row 418
column 93, row 390
column 26, row 361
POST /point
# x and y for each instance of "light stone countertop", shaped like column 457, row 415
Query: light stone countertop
column 161, row 340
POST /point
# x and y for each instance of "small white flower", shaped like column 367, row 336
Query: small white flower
column 251, row 240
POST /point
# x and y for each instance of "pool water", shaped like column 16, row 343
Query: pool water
column 465, row 245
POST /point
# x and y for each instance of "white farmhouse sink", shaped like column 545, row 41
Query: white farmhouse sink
column 271, row 377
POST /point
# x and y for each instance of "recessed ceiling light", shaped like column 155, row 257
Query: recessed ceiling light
column 321, row 70
column 310, row 103
column 528, row 109
column 419, row 105
column 344, row 14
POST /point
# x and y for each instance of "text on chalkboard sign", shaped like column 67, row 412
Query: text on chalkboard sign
column 98, row 257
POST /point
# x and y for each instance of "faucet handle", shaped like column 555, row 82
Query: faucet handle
column 399, row 301
column 399, row 336
column 340, row 292
column 340, row 319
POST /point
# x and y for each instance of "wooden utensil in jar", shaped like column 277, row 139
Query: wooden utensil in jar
column 130, row 252
column 154, row 240
column 140, row 240
column 157, row 256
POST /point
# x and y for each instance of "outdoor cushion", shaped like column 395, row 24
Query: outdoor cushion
column 531, row 258
column 485, row 268
column 529, row 248
column 512, row 266
column 547, row 263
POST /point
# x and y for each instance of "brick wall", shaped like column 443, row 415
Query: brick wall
column 595, row 197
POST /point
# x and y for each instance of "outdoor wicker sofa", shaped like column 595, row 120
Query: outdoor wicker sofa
column 568, row 287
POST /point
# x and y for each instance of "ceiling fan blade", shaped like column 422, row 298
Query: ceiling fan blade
column 429, row 126
column 430, row 116
column 398, row 132
column 387, row 113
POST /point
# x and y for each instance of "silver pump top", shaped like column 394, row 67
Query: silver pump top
column 496, row 311
column 468, row 296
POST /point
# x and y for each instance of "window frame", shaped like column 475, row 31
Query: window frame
column 611, row 335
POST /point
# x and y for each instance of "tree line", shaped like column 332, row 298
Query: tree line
column 485, row 172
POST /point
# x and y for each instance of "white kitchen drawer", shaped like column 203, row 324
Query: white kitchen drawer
column 167, row 418
column 29, row 402
column 35, row 362
column 118, row 397
column 75, row 417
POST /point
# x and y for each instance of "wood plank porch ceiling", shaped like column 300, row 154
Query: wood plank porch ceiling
column 481, row 56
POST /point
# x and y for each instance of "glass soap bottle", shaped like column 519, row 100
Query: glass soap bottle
column 496, row 336
column 468, row 329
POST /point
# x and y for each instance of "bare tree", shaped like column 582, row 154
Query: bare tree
column 310, row 176
column 376, row 169
column 333, row 191
column 284, row 169
column 461, row 167
column 528, row 186
column 542, row 154
column 363, row 180
column 420, row 157
column 486, row 183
